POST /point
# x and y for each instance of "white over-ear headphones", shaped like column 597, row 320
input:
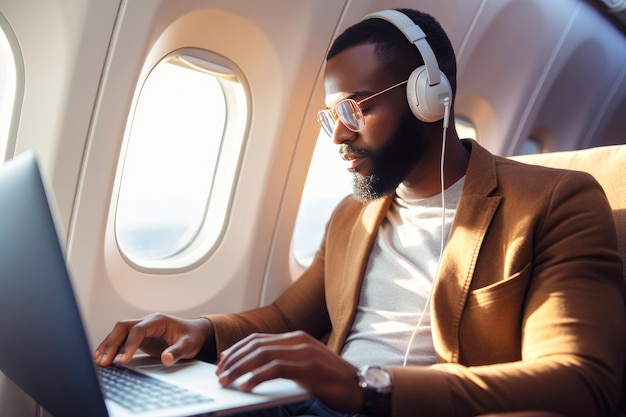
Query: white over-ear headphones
column 428, row 87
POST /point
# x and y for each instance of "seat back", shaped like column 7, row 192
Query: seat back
column 608, row 165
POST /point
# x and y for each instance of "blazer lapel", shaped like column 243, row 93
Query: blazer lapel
column 355, row 261
column 474, row 214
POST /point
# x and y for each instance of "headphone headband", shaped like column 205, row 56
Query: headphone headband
column 428, row 90
column 416, row 36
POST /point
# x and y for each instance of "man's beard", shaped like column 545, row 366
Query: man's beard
column 392, row 163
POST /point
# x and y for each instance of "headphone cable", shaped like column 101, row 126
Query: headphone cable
column 446, row 118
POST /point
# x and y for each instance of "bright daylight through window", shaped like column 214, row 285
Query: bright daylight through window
column 180, row 161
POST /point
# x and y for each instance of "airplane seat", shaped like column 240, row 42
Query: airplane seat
column 608, row 165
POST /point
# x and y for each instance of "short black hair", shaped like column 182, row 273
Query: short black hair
column 393, row 47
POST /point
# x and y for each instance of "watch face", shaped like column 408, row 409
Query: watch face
column 377, row 377
column 376, row 384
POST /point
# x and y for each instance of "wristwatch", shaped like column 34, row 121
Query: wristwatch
column 377, row 386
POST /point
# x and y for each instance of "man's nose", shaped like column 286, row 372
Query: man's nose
column 342, row 134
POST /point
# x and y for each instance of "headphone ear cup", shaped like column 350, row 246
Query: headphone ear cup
column 426, row 101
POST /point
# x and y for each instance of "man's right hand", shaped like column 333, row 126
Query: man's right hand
column 157, row 334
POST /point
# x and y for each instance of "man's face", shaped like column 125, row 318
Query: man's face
column 389, row 146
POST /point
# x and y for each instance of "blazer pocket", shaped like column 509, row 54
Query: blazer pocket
column 513, row 287
column 490, row 328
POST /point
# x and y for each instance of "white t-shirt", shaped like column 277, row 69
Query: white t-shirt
column 398, row 281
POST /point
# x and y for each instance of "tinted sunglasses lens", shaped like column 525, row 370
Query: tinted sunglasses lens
column 326, row 120
column 350, row 114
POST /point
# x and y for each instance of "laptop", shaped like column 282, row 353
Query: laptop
column 44, row 348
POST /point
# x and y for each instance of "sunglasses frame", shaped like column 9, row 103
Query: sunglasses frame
column 323, row 116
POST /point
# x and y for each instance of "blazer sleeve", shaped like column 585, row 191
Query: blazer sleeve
column 301, row 307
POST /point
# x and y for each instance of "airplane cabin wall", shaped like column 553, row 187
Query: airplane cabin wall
column 62, row 46
column 280, row 72
column 552, row 71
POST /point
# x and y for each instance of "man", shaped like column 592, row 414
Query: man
column 519, row 312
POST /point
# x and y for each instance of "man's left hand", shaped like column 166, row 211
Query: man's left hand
column 296, row 356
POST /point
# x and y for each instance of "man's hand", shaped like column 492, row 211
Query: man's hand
column 296, row 356
column 169, row 337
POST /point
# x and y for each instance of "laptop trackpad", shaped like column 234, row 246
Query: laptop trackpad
column 195, row 374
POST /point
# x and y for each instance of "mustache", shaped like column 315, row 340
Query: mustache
column 346, row 148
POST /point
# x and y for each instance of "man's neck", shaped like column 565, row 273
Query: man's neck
column 424, row 180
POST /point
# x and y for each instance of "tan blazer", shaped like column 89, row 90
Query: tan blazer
column 527, row 308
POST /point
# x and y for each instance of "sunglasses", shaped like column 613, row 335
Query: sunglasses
column 349, row 112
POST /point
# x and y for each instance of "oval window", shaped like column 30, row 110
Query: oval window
column 180, row 159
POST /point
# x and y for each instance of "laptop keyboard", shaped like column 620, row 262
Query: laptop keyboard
column 140, row 393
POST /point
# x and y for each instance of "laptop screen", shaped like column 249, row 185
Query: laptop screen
column 43, row 348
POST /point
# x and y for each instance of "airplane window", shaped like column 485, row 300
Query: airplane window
column 327, row 183
column 465, row 129
column 180, row 161
column 8, row 81
column 531, row 146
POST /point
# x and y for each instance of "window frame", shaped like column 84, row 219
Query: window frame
column 8, row 141
column 225, row 174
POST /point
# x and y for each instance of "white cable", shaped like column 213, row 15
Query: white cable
column 443, row 227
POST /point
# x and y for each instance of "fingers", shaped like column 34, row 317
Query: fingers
column 296, row 356
column 253, row 343
column 138, row 335
column 130, row 335
column 269, row 357
column 110, row 346
column 157, row 334
column 186, row 347
column 278, row 368
column 253, row 346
